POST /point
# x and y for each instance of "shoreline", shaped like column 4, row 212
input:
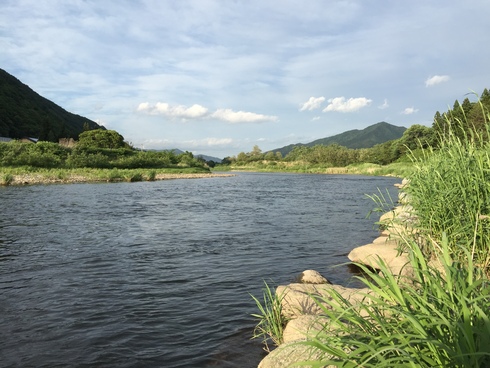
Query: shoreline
column 298, row 300
column 44, row 179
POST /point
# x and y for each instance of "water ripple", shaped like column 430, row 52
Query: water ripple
column 158, row 274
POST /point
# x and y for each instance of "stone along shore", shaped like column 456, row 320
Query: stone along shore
column 305, row 315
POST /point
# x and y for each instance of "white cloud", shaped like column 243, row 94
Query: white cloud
column 409, row 111
column 436, row 79
column 342, row 105
column 385, row 105
column 315, row 118
column 144, row 106
column 236, row 117
column 198, row 112
column 199, row 144
column 312, row 103
column 218, row 141
column 193, row 112
column 180, row 111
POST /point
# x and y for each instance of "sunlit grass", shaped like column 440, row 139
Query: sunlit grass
column 271, row 322
column 439, row 317
column 401, row 169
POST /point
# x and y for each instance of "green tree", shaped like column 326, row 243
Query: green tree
column 101, row 138
column 417, row 136
column 270, row 156
column 242, row 157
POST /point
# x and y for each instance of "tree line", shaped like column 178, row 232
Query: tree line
column 466, row 120
column 99, row 148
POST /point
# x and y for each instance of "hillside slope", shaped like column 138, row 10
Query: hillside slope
column 368, row 137
column 24, row 113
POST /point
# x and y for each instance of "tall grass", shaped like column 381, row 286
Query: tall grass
column 438, row 318
column 450, row 193
column 271, row 322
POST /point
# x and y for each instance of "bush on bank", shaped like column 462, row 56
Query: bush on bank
column 53, row 155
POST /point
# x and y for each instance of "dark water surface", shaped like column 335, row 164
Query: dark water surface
column 158, row 274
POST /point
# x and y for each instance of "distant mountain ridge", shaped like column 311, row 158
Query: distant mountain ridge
column 25, row 113
column 366, row 138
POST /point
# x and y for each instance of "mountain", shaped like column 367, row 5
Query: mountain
column 24, row 113
column 365, row 138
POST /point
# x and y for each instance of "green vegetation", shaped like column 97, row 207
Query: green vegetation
column 271, row 323
column 372, row 135
column 434, row 319
column 98, row 138
column 450, row 193
column 465, row 121
column 439, row 314
column 101, row 155
column 30, row 174
column 24, row 113
column 100, row 149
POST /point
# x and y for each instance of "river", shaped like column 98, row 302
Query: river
column 159, row 274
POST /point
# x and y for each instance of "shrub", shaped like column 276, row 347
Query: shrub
column 152, row 175
column 81, row 159
column 137, row 176
column 7, row 179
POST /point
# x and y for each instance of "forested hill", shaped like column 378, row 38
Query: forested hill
column 24, row 113
column 365, row 138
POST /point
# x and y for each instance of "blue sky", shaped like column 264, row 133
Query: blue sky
column 218, row 77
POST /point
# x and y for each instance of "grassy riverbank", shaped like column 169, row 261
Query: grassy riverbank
column 27, row 175
column 438, row 315
column 398, row 169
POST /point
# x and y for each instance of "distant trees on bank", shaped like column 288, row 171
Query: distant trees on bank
column 103, row 149
column 465, row 120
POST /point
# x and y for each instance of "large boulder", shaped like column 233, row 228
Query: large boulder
column 301, row 299
column 388, row 252
column 300, row 328
column 288, row 354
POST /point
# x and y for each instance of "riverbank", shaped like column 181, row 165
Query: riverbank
column 303, row 303
column 57, row 176
column 397, row 169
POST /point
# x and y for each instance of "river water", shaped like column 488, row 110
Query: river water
column 158, row 274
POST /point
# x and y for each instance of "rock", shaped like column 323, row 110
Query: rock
column 312, row 277
column 402, row 213
column 299, row 299
column 405, row 182
column 388, row 252
column 288, row 354
column 299, row 328
column 381, row 239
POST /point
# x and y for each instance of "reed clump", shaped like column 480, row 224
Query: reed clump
column 271, row 321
